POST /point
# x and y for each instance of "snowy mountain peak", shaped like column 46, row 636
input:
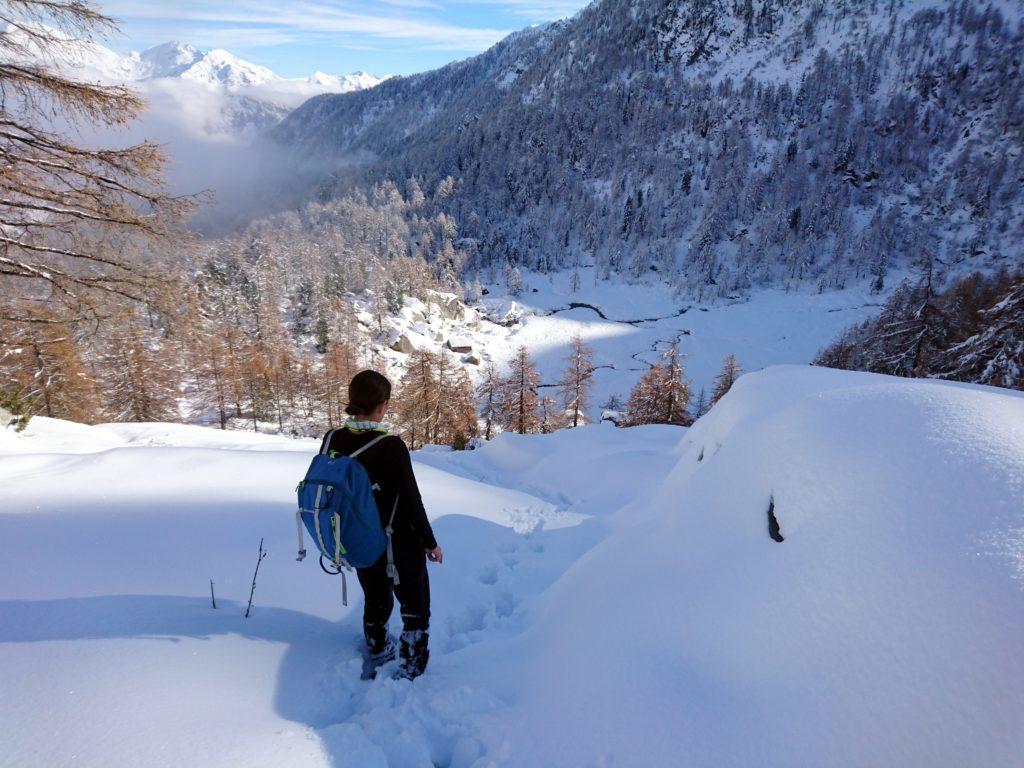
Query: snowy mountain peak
column 220, row 67
column 357, row 81
column 167, row 60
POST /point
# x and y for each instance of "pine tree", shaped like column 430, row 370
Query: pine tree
column 323, row 337
column 455, row 422
column 339, row 368
column 520, row 406
column 513, row 280
column 45, row 363
column 490, row 393
column 725, row 379
column 995, row 354
column 417, row 402
column 912, row 340
column 549, row 418
column 662, row 395
column 642, row 407
column 576, row 381
column 140, row 384
column 255, row 378
column 700, row 405
column 674, row 394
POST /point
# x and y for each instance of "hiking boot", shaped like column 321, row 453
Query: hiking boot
column 377, row 639
column 372, row 662
column 414, row 654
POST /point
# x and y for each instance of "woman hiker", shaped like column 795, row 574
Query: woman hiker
column 390, row 469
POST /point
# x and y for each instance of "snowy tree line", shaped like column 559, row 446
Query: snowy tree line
column 971, row 331
column 628, row 138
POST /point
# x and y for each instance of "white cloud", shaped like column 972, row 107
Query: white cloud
column 538, row 10
column 271, row 23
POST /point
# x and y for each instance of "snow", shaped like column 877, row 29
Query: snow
column 771, row 327
column 608, row 597
column 112, row 534
column 209, row 95
column 884, row 630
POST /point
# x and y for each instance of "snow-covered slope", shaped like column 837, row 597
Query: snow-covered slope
column 884, row 630
column 628, row 326
column 609, row 597
column 725, row 145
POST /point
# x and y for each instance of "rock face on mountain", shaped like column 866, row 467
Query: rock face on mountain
column 724, row 144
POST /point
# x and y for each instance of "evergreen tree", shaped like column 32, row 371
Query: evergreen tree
column 725, row 379
column 520, row 407
column 662, row 395
column 323, row 338
column 455, row 415
column 993, row 355
column 576, row 381
column 490, row 393
column 970, row 332
column 549, row 419
column 45, row 364
column 140, row 385
column 700, row 405
column 674, row 389
column 417, row 402
column 642, row 406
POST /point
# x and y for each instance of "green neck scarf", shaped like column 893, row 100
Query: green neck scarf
column 359, row 425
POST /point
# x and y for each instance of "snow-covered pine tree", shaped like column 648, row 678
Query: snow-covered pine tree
column 549, row 417
column 700, row 404
column 140, row 384
column 45, row 364
column 513, row 280
column 910, row 341
column 674, row 389
column 995, row 354
column 576, row 381
column 490, row 395
column 519, row 410
column 642, row 406
column 969, row 332
column 724, row 380
column 662, row 395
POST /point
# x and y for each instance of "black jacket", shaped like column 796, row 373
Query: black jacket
column 388, row 464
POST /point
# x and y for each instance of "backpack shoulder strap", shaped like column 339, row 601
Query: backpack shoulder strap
column 327, row 442
column 370, row 444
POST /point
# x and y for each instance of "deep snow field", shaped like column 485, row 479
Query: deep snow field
column 608, row 598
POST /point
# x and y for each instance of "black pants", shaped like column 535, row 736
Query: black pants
column 412, row 591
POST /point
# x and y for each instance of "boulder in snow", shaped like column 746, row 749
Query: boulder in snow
column 402, row 344
column 452, row 309
column 460, row 344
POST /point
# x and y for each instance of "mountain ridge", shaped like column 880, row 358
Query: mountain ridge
column 723, row 144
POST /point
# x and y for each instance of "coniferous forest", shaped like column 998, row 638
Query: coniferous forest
column 714, row 148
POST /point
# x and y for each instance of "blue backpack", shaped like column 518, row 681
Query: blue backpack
column 337, row 507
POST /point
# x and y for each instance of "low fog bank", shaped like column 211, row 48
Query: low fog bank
column 219, row 149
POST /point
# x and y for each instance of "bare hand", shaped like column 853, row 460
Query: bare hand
column 435, row 555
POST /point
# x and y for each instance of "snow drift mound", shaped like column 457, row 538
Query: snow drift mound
column 885, row 629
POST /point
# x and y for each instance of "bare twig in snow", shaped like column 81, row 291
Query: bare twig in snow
column 252, row 591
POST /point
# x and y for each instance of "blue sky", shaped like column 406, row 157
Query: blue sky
column 384, row 37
